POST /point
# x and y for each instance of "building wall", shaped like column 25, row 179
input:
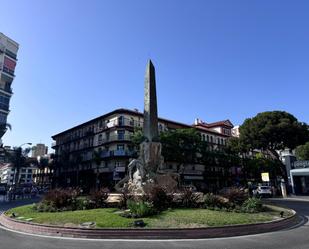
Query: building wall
column 39, row 150
column 8, row 61
column 7, row 172
column 110, row 136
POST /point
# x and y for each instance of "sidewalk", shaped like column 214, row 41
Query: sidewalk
column 298, row 197
column 293, row 198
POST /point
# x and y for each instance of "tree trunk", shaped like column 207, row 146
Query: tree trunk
column 276, row 156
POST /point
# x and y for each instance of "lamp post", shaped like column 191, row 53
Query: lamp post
column 24, row 144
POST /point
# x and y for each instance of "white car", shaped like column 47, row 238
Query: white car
column 263, row 191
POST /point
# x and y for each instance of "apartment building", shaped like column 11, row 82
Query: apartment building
column 8, row 61
column 7, row 174
column 109, row 138
column 39, row 150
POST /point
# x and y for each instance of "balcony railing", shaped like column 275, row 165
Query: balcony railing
column 119, row 137
column 121, row 122
column 11, row 54
column 111, row 153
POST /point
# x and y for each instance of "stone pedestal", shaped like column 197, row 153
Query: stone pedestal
column 150, row 155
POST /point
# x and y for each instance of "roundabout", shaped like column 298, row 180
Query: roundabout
column 294, row 237
column 172, row 224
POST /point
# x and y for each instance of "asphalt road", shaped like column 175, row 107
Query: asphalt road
column 296, row 238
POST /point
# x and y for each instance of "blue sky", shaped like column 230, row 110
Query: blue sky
column 214, row 60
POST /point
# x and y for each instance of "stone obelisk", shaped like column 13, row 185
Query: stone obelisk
column 144, row 169
column 150, row 149
column 150, row 104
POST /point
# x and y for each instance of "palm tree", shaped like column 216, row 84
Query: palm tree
column 19, row 160
column 42, row 163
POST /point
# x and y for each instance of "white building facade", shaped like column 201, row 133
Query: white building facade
column 7, row 174
column 8, row 61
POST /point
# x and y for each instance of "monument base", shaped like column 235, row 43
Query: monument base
column 144, row 169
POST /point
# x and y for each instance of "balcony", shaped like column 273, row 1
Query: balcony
column 4, row 107
column 114, row 153
column 11, row 54
column 122, row 122
column 120, row 169
column 7, row 71
column 116, row 138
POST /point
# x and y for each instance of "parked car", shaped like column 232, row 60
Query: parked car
column 263, row 191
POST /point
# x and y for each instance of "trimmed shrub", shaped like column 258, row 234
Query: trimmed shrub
column 158, row 197
column 44, row 206
column 235, row 196
column 69, row 200
column 211, row 200
column 189, row 199
column 125, row 196
column 62, row 198
column 97, row 198
column 140, row 209
column 252, row 205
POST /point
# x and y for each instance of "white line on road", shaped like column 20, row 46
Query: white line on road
column 135, row 240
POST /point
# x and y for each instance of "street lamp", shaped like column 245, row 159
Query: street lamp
column 25, row 144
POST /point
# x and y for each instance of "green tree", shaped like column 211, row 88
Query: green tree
column 302, row 151
column 273, row 131
column 43, row 163
column 19, row 160
column 138, row 137
column 236, row 146
column 180, row 145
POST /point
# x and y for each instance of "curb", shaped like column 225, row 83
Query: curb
column 141, row 233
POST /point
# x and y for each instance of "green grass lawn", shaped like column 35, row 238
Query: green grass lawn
column 175, row 218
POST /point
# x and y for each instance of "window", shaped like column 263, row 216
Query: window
column 120, row 134
column 100, row 139
column 121, row 121
column 207, row 138
column 29, row 170
column 132, row 122
column 3, row 118
column 211, row 139
column 120, row 146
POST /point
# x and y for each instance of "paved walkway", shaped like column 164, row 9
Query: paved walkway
column 293, row 198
